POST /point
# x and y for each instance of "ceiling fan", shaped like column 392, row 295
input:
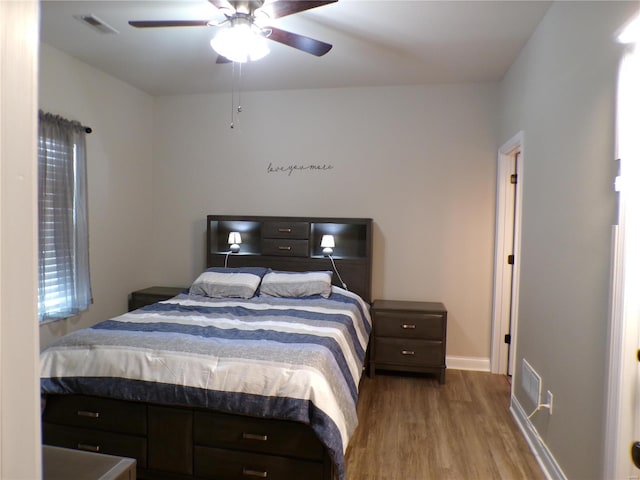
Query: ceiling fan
column 244, row 36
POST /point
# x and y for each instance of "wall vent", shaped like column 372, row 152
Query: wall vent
column 96, row 23
column 531, row 382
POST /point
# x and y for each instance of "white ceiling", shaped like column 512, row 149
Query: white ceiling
column 375, row 43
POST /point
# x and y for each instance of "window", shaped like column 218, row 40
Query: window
column 64, row 287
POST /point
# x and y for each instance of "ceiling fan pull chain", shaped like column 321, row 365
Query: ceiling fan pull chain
column 239, row 90
column 236, row 78
column 233, row 86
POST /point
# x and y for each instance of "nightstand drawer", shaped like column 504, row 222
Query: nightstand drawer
column 429, row 326
column 285, row 247
column 396, row 351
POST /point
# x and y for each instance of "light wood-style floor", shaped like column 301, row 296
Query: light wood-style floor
column 412, row 428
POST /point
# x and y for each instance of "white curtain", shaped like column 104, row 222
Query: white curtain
column 64, row 281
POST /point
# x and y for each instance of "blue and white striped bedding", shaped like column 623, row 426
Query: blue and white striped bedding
column 286, row 358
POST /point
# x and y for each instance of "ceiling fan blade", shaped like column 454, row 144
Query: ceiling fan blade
column 168, row 23
column 222, row 5
column 282, row 8
column 306, row 44
column 222, row 59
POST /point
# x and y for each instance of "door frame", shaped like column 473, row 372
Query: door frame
column 20, row 427
column 622, row 376
column 506, row 280
column 623, row 382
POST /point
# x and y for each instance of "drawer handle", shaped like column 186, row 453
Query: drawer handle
column 408, row 352
column 254, row 436
column 408, row 326
column 86, row 413
column 89, row 448
column 287, row 248
column 249, row 472
column 284, row 230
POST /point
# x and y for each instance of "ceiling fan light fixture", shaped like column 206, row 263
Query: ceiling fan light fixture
column 240, row 42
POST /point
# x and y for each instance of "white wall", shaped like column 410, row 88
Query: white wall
column 119, row 155
column 420, row 161
column 561, row 93
column 19, row 365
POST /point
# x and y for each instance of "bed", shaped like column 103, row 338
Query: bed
column 252, row 372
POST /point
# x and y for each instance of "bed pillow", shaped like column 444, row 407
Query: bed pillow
column 296, row 284
column 228, row 282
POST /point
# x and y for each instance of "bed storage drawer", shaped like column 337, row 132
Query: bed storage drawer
column 257, row 435
column 395, row 351
column 219, row 464
column 96, row 413
column 298, row 230
column 285, row 247
column 96, row 441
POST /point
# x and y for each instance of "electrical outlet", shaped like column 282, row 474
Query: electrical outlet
column 550, row 401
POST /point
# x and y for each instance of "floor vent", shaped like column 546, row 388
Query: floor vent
column 531, row 382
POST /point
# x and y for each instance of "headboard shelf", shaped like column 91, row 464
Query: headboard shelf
column 218, row 233
column 293, row 244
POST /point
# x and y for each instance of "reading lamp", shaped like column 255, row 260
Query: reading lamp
column 328, row 243
column 234, row 242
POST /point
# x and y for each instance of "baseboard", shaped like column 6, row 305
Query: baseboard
column 479, row 364
column 548, row 464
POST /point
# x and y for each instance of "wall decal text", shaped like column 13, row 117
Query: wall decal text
column 289, row 169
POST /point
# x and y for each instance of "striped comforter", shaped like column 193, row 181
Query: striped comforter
column 285, row 358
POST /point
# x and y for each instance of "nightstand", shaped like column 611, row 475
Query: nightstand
column 150, row 295
column 409, row 337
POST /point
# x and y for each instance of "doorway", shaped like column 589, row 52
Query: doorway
column 507, row 253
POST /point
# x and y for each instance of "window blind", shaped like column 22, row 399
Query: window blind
column 64, row 281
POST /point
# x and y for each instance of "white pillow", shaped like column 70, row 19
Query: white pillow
column 296, row 284
column 228, row 282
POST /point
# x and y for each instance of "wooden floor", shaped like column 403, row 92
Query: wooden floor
column 412, row 428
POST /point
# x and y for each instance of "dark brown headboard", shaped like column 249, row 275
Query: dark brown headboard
column 293, row 244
